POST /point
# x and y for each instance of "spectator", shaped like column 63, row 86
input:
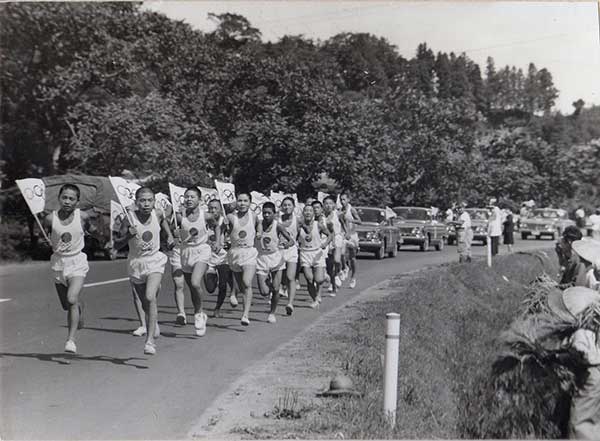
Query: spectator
column 494, row 225
column 595, row 221
column 523, row 213
column 464, row 233
column 569, row 262
column 589, row 254
column 509, row 230
column 449, row 214
column 580, row 220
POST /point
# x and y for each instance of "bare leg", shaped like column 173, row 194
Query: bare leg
column 308, row 274
column 275, row 283
column 178, row 293
column 290, row 274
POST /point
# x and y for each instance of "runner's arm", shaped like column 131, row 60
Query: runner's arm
column 355, row 217
column 164, row 224
column 329, row 232
column 47, row 223
column 281, row 230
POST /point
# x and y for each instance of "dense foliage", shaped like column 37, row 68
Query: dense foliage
column 98, row 87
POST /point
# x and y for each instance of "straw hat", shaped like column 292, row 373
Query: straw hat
column 572, row 301
column 340, row 385
column 587, row 249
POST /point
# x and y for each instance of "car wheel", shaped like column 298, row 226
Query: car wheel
column 398, row 246
column 425, row 244
column 450, row 241
column 440, row 245
column 394, row 252
column 553, row 236
column 524, row 236
column 380, row 253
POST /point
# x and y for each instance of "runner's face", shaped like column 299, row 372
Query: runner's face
column 309, row 213
column 329, row 206
column 268, row 214
column 68, row 199
column 191, row 199
column 243, row 203
column 145, row 202
column 287, row 207
column 214, row 208
column 344, row 199
column 318, row 210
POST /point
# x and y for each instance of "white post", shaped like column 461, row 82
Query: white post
column 392, row 347
column 489, row 251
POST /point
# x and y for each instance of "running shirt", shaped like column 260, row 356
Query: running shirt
column 335, row 220
column 147, row 240
column 291, row 227
column 218, row 231
column 311, row 241
column 67, row 240
column 269, row 242
column 243, row 231
column 347, row 213
column 194, row 233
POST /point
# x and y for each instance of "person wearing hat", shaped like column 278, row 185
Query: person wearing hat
column 589, row 254
column 495, row 225
column 464, row 233
column 570, row 264
column 573, row 304
column 580, row 219
column 595, row 221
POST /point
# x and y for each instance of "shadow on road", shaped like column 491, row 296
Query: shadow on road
column 65, row 359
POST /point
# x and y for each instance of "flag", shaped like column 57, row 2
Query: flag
column 389, row 213
column 277, row 198
column 34, row 192
column 299, row 209
column 208, row 194
column 258, row 199
column 176, row 197
column 117, row 214
column 162, row 202
column 125, row 190
column 226, row 192
column 321, row 196
column 338, row 202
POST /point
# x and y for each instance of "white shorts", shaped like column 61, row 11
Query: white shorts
column 353, row 241
column 141, row 267
column 174, row 258
column 217, row 260
column 312, row 258
column 190, row 256
column 66, row 267
column 290, row 255
column 266, row 263
column 239, row 257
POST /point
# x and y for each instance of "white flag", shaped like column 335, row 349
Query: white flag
column 34, row 192
column 389, row 213
column 162, row 202
column 258, row 199
column 176, row 197
column 321, row 196
column 277, row 198
column 117, row 214
column 125, row 190
column 299, row 209
column 208, row 194
column 226, row 192
column 338, row 202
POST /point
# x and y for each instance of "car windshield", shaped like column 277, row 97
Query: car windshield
column 478, row 214
column 546, row 214
column 412, row 213
column 371, row 215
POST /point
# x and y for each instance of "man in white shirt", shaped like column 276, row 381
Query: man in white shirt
column 495, row 225
column 595, row 220
column 464, row 233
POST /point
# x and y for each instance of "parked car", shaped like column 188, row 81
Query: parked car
column 479, row 225
column 545, row 222
column 377, row 234
column 419, row 227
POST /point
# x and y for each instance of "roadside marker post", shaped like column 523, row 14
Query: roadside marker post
column 392, row 349
column 489, row 251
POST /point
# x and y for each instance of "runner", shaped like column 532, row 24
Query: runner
column 349, row 219
column 312, row 253
column 195, row 251
column 242, row 254
column 146, row 262
column 270, row 261
column 218, row 273
column 320, row 218
column 66, row 228
column 334, row 226
column 290, row 254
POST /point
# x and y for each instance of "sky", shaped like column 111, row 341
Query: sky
column 563, row 37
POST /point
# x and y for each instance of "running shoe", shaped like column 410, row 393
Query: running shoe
column 319, row 299
column 70, row 347
column 150, row 349
column 338, row 282
column 181, row 320
column 352, row 284
column 217, row 313
column 245, row 321
column 331, row 293
column 200, row 324
column 139, row 332
column 289, row 309
column 283, row 293
column 298, row 286
column 330, row 288
column 233, row 301
column 314, row 305
column 271, row 318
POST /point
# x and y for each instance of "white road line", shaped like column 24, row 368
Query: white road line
column 106, row 282
column 5, row 300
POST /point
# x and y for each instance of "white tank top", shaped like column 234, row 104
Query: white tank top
column 67, row 240
column 350, row 227
column 242, row 236
column 269, row 242
column 147, row 240
column 312, row 241
column 335, row 220
column 193, row 233
column 291, row 227
column 218, row 231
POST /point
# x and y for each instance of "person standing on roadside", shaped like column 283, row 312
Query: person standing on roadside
column 464, row 233
column 494, row 225
column 580, row 220
column 595, row 221
column 508, row 232
column 568, row 260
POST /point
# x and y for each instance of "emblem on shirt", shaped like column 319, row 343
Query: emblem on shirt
column 242, row 234
column 66, row 237
column 147, row 236
column 193, row 231
column 309, row 238
column 212, row 238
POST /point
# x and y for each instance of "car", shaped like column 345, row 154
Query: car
column 479, row 225
column 377, row 234
column 419, row 227
column 545, row 222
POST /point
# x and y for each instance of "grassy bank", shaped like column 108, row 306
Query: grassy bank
column 451, row 317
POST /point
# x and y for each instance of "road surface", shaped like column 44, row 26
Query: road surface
column 110, row 389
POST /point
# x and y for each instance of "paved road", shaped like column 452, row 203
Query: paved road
column 111, row 390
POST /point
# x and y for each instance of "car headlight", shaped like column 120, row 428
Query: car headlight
column 417, row 231
column 549, row 227
column 372, row 235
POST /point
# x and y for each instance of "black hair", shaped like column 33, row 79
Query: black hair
column 270, row 205
column 288, row 198
column 214, row 200
column 141, row 190
column 246, row 193
column 196, row 189
column 572, row 233
column 346, row 193
column 317, row 203
column 73, row 187
column 330, row 198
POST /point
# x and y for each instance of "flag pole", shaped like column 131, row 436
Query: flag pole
column 37, row 219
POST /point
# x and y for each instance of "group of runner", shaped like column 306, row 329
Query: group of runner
column 209, row 249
